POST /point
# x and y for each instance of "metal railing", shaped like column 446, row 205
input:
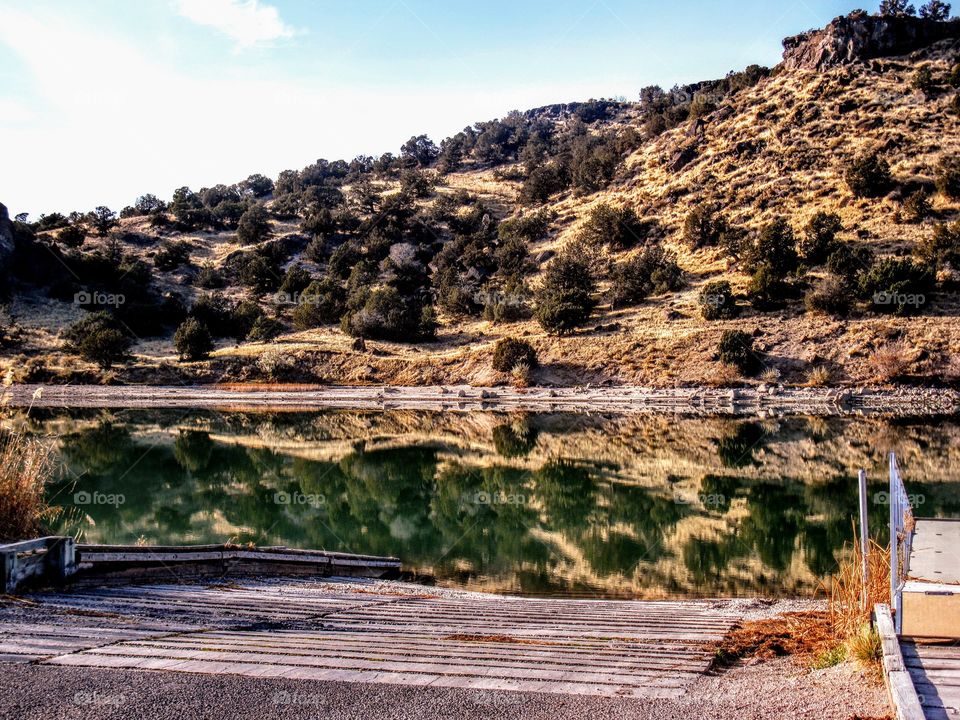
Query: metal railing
column 901, row 538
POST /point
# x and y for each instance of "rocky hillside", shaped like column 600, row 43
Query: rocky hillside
column 823, row 191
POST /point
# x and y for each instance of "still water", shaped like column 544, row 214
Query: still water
column 560, row 504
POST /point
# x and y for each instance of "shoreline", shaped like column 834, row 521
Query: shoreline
column 762, row 401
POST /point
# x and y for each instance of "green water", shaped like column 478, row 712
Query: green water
column 602, row 506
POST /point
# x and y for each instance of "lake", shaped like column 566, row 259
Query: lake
column 590, row 505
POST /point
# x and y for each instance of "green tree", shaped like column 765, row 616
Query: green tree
column 736, row 348
column 103, row 220
column 948, row 177
column 98, row 338
column 868, row 175
column 935, row 10
column 566, row 297
column 192, row 340
column 254, row 225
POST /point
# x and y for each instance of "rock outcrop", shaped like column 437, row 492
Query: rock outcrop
column 859, row 36
column 6, row 236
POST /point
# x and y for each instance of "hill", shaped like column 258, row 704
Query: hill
column 823, row 191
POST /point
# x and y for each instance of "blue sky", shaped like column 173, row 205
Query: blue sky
column 103, row 100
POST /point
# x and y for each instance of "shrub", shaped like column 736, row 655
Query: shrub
column 923, row 81
column 832, row 296
column 565, row 300
column 209, row 278
column 948, row 177
column 72, row 236
column 103, row 220
column 704, row 227
column 243, row 317
column 767, row 289
column 935, row 10
column 528, row 228
column 652, row 272
column 954, row 77
column 917, row 207
column 717, row 301
column 543, row 182
column 890, row 361
column 192, row 340
column 775, row 248
column 295, row 280
column 941, row 246
column 508, row 304
column 323, row 302
column 850, row 261
column 868, row 176
column 618, row 226
column 98, row 338
column 254, row 225
column 736, row 349
column 214, row 312
column 259, row 273
column 897, row 286
column 388, row 314
column 172, row 255
column 510, row 352
column 257, row 185
column 820, row 238
column 265, row 328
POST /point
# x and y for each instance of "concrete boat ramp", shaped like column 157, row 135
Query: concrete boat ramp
column 371, row 631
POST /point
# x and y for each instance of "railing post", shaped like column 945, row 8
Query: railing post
column 8, row 571
column 864, row 540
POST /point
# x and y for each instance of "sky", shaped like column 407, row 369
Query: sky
column 104, row 100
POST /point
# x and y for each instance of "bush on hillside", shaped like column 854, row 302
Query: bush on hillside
column 917, row 207
column 322, row 302
column 620, row 227
column 652, row 272
column 254, row 225
column 171, row 255
column 736, row 349
column 717, row 302
column 192, row 340
column 775, row 248
column 542, row 183
column 103, row 220
column 388, row 314
column 209, row 278
column 898, row 286
column 704, row 226
column 265, row 328
column 831, row 296
column 948, row 177
column 566, row 297
column 508, row 353
column 243, row 317
column 940, row 246
column 849, row 262
column 868, row 176
column 820, row 238
column 72, row 236
column 98, row 338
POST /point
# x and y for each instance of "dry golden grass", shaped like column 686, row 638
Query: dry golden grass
column 890, row 361
column 850, row 602
column 25, row 467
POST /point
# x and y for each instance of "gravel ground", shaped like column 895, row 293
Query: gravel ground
column 775, row 689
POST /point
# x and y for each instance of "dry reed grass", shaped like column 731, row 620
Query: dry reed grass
column 850, row 606
column 25, row 467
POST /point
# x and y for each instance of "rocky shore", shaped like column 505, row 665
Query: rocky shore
column 762, row 401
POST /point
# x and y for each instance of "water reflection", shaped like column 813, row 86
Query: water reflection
column 554, row 504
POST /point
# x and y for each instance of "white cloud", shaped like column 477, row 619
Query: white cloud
column 246, row 22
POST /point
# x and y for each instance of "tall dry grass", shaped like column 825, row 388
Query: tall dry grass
column 25, row 467
column 851, row 603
